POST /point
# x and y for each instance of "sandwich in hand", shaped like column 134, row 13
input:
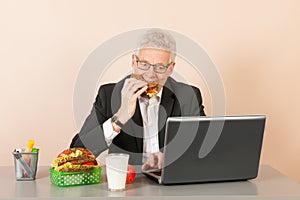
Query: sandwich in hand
column 153, row 87
column 74, row 160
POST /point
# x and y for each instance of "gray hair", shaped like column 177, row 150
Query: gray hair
column 160, row 39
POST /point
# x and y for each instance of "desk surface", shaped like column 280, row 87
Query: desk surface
column 270, row 184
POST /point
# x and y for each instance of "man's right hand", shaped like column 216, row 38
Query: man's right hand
column 131, row 90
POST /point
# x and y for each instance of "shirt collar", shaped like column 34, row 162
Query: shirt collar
column 159, row 94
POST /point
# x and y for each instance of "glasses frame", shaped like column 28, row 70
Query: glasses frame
column 148, row 65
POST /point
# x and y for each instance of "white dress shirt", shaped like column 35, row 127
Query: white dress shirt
column 149, row 111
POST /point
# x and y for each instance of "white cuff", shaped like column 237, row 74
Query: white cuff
column 109, row 132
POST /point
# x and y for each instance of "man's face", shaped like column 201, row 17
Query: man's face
column 153, row 56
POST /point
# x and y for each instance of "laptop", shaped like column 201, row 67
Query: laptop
column 210, row 149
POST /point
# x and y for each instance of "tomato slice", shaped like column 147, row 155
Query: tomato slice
column 88, row 163
column 149, row 91
column 86, row 152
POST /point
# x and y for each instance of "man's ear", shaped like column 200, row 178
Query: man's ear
column 172, row 67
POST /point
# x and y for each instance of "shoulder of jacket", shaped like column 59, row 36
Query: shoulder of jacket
column 106, row 87
column 179, row 85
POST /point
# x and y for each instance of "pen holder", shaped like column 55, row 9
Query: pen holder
column 25, row 164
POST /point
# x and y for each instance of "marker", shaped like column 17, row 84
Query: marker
column 28, row 149
column 29, row 146
column 35, row 150
column 27, row 158
column 34, row 157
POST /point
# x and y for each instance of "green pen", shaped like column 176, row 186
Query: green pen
column 34, row 159
column 35, row 150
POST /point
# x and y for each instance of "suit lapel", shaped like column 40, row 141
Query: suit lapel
column 137, row 127
column 165, row 111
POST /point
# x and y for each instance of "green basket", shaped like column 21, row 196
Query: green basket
column 66, row 179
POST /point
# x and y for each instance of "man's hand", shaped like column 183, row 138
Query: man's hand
column 131, row 90
column 155, row 161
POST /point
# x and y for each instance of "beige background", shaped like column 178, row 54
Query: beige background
column 254, row 44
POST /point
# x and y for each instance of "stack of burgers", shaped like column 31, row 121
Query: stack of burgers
column 74, row 160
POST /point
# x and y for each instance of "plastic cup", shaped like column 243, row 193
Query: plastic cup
column 116, row 171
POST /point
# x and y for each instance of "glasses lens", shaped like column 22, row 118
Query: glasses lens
column 143, row 65
column 160, row 68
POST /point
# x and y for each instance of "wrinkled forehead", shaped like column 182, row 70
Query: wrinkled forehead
column 154, row 55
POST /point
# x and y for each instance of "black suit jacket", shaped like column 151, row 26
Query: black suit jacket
column 178, row 99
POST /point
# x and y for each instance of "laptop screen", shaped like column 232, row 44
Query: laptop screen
column 208, row 149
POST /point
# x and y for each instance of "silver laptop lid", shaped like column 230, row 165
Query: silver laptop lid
column 205, row 149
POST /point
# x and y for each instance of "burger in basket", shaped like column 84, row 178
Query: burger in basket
column 74, row 160
column 152, row 89
column 75, row 166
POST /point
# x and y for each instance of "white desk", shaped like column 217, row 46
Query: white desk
column 270, row 184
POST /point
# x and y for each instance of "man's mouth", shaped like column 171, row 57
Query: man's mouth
column 153, row 86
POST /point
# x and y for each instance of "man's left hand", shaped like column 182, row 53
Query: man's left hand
column 155, row 161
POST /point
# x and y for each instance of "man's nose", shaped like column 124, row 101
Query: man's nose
column 150, row 74
column 151, row 71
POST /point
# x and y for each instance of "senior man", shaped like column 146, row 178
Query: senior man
column 124, row 121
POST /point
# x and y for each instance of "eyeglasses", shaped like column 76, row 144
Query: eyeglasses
column 158, row 68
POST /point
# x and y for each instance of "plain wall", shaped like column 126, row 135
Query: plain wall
column 253, row 43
